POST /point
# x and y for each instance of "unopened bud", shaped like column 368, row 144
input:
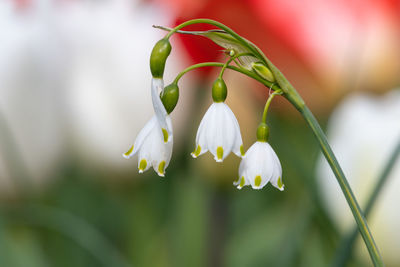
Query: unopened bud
column 159, row 54
column 219, row 91
column 169, row 97
column 263, row 71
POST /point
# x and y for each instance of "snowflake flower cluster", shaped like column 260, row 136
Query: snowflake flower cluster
column 219, row 130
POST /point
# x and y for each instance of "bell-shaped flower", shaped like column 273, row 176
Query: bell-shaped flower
column 259, row 166
column 152, row 147
column 219, row 133
column 157, row 85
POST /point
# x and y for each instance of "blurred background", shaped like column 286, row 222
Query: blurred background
column 75, row 92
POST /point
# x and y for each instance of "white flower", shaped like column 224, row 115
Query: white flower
column 363, row 132
column 153, row 151
column 157, row 85
column 219, row 133
column 259, row 166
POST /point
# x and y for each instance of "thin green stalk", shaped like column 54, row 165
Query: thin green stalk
column 345, row 248
column 268, row 103
column 293, row 96
column 230, row 60
column 344, row 185
column 228, row 30
column 218, row 64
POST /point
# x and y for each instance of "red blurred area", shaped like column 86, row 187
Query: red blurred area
column 298, row 26
column 326, row 48
column 238, row 15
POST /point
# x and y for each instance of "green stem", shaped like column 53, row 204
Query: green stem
column 345, row 248
column 264, row 117
column 218, row 64
column 344, row 185
column 230, row 60
column 292, row 95
column 299, row 104
column 243, row 41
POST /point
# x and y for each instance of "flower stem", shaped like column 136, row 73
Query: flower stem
column 230, row 60
column 295, row 99
column 268, row 103
column 218, row 64
column 345, row 248
column 228, row 30
column 344, row 185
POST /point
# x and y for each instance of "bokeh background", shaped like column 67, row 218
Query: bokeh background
column 75, row 92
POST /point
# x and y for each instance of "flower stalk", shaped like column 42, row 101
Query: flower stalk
column 291, row 94
column 344, row 185
column 268, row 103
column 345, row 249
column 256, row 65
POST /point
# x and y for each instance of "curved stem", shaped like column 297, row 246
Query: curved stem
column 264, row 117
column 344, row 185
column 345, row 248
column 292, row 95
column 243, row 41
column 218, row 64
column 230, row 60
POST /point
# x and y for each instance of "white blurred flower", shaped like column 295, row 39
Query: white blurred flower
column 219, row 133
column 259, row 166
column 68, row 73
column 32, row 65
column 363, row 131
column 112, row 41
column 153, row 148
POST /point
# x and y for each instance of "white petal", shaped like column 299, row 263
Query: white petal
column 140, row 138
column 276, row 179
column 201, row 136
column 238, row 143
column 161, row 152
column 144, row 159
column 228, row 130
column 242, row 179
column 260, row 165
column 217, row 133
column 212, row 129
column 157, row 85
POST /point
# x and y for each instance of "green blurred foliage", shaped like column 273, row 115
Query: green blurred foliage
column 90, row 218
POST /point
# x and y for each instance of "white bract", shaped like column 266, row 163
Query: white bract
column 259, row 166
column 157, row 85
column 219, row 133
column 153, row 151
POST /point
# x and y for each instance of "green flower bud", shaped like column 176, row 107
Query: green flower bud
column 219, row 91
column 262, row 132
column 263, row 71
column 169, row 97
column 159, row 54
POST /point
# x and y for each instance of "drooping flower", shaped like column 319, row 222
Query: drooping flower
column 219, row 130
column 152, row 148
column 219, row 133
column 154, row 142
column 260, row 164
